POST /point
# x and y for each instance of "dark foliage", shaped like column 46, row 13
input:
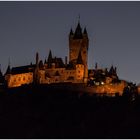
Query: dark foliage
column 40, row 113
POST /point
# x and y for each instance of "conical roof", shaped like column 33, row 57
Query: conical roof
column 85, row 31
column 78, row 32
column 45, row 62
column 8, row 71
column 50, row 56
column 71, row 32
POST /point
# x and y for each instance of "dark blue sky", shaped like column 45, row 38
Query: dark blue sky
column 28, row 27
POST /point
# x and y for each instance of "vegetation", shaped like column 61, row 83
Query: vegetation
column 40, row 113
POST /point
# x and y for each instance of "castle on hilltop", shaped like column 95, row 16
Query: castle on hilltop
column 54, row 70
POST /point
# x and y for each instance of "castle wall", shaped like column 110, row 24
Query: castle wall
column 110, row 89
column 20, row 79
column 70, row 75
column 79, row 73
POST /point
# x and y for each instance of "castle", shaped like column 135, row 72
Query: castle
column 54, row 70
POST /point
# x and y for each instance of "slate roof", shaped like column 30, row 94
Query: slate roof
column 22, row 69
column 78, row 32
column 58, row 62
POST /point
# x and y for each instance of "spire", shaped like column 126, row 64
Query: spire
column 115, row 69
column 45, row 62
column 41, row 64
column 50, row 56
column 112, row 70
column 79, row 18
column 71, row 32
column 85, row 31
column 78, row 32
column 8, row 71
column 37, row 58
column 96, row 66
column 49, row 59
column 79, row 59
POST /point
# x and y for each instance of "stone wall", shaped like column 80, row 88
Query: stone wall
column 20, row 79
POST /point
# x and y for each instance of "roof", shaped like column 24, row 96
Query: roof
column 85, row 31
column 8, row 71
column 71, row 32
column 58, row 62
column 78, row 32
column 23, row 69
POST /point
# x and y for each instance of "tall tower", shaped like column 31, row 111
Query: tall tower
column 78, row 41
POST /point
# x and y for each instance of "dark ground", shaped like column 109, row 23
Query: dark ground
column 49, row 114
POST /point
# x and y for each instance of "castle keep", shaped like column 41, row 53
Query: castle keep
column 54, row 70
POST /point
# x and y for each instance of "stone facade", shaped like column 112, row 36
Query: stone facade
column 54, row 70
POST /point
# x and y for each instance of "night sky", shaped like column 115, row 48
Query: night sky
column 113, row 29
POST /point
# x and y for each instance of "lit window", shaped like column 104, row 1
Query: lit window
column 102, row 83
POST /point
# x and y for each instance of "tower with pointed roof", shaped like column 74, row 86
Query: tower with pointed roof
column 78, row 41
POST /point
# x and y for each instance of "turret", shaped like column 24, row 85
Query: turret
column 36, row 71
column 85, row 31
column 49, row 59
column 8, row 71
column 96, row 66
column 71, row 33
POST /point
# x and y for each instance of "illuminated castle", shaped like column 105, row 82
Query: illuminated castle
column 54, row 70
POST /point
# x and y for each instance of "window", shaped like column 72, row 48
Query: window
column 14, row 79
column 19, row 79
column 24, row 78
